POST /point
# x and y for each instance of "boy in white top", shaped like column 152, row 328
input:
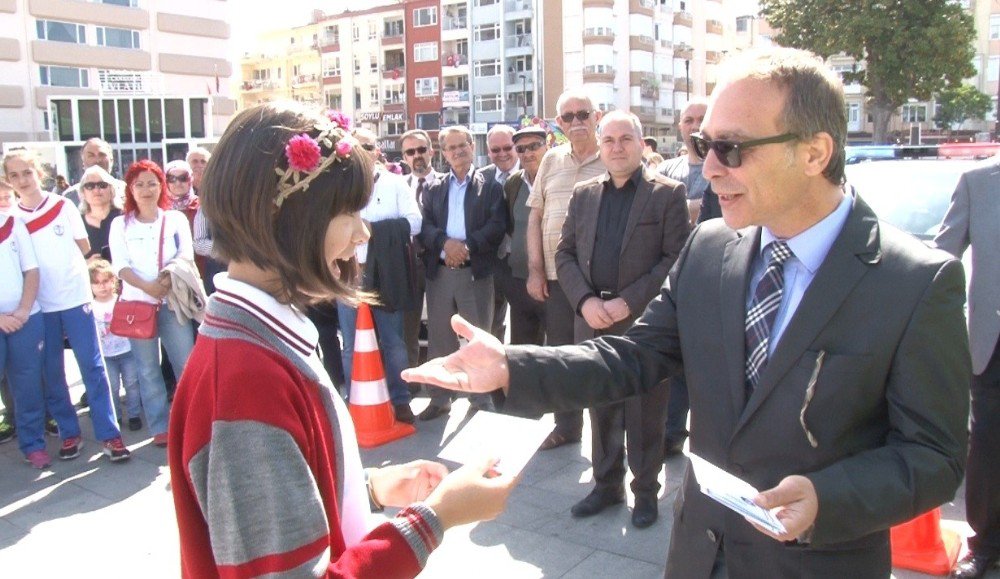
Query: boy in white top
column 60, row 242
column 21, row 334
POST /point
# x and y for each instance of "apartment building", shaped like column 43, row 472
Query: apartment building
column 148, row 76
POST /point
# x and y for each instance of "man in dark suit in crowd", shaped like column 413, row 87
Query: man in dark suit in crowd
column 503, row 164
column 463, row 225
column 825, row 353
column 623, row 231
column 418, row 153
column 972, row 221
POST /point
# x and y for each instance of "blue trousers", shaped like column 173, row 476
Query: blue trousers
column 389, row 329
column 78, row 326
column 123, row 370
column 178, row 340
column 20, row 360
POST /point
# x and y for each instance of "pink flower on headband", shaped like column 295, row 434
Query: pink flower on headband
column 303, row 153
column 394, row 168
column 340, row 119
column 343, row 148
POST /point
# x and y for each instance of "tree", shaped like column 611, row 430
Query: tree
column 904, row 48
column 960, row 104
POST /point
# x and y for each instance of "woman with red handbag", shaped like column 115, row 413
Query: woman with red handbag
column 144, row 239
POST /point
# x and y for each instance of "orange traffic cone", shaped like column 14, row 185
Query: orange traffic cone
column 922, row 545
column 374, row 419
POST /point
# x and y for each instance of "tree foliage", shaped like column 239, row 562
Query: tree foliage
column 960, row 104
column 904, row 48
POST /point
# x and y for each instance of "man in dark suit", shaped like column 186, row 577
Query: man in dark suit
column 503, row 164
column 623, row 231
column 464, row 223
column 972, row 221
column 825, row 353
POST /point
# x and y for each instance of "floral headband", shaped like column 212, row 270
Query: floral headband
column 305, row 154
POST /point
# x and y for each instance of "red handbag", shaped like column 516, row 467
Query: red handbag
column 135, row 319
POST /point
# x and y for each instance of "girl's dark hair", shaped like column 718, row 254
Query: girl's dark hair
column 133, row 173
column 238, row 192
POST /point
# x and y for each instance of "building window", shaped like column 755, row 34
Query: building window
column 853, row 113
column 331, row 66
column 128, row 3
column 394, row 95
column 372, row 30
column 487, row 68
column 486, row 103
column 486, row 2
column 334, row 101
column 428, row 121
column 425, row 52
column 993, row 68
column 357, row 65
column 487, row 32
column 373, row 63
column 355, row 33
column 426, row 86
column 395, row 127
column 995, row 27
column 117, row 37
column 425, row 16
column 743, row 24
column 64, row 76
column 373, row 95
column 914, row 113
column 61, row 31
column 393, row 28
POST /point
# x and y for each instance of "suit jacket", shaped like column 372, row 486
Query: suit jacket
column 658, row 224
column 972, row 219
column 879, row 333
column 485, row 223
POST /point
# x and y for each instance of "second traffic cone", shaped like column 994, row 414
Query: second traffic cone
column 922, row 545
column 374, row 419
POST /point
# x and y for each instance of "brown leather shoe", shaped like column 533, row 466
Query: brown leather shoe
column 433, row 411
column 556, row 439
column 404, row 413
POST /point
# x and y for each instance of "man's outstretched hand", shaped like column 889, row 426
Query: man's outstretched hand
column 479, row 367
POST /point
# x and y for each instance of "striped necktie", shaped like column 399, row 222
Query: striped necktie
column 763, row 310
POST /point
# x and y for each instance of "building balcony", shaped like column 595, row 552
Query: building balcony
column 645, row 113
column 394, row 39
column 454, row 23
column 599, row 73
column 517, row 9
column 712, row 56
column 454, row 59
column 666, row 79
column 329, row 43
column 331, row 79
column 667, row 44
column 649, row 85
column 514, row 78
column 645, row 43
column 713, row 27
column 682, row 85
column 304, row 79
column 598, row 4
column 644, row 7
column 683, row 19
column 393, row 72
column 259, row 85
column 394, row 105
column 683, row 51
column 518, row 41
column 599, row 35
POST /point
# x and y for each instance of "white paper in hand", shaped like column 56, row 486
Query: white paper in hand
column 734, row 493
column 511, row 439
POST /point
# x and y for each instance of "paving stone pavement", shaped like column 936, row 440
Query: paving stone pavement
column 89, row 516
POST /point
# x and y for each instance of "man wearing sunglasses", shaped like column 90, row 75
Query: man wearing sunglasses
column 500, row 150
column 561, row 169
column 825, row 353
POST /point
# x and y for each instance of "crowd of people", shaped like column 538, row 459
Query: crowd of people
column 625, row 297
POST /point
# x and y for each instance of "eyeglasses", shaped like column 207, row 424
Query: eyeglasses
column 178, row 178
column 522, row 149
column 728, row 152
column 505, row 149
column 368, row 147
column 98, row 185
column 578, row 115
column 415, row 151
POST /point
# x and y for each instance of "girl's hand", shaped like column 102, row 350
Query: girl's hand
column 400, row 485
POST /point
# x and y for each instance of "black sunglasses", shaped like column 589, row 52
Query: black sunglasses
column 522, row 149
column 505, row 149
column 368, row 147
column 415, row 151
column 176, row 178
column 728, row 152
column 98, row 185
column 579, row 115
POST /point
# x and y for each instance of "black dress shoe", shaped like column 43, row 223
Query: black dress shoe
column 404, row 413
column 556, row 439
column 973, row 566
column 596, row 502
column 433, row 411
column 645, row 512
column 672, row 447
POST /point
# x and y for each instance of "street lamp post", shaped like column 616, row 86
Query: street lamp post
column 687, row 78
column 524, row 94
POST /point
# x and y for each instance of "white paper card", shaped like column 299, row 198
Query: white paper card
column 511, row 439
column 734, row 493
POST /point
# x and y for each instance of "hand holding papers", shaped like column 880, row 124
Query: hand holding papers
column 510, row 439
column 734, row 493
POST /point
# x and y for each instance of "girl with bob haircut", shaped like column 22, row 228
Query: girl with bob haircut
column 267, row 475
column 139, row 260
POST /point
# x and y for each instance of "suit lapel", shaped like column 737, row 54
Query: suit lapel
column 643, row 193
column 855, row 249
column 735, row 277
column 472, row 191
